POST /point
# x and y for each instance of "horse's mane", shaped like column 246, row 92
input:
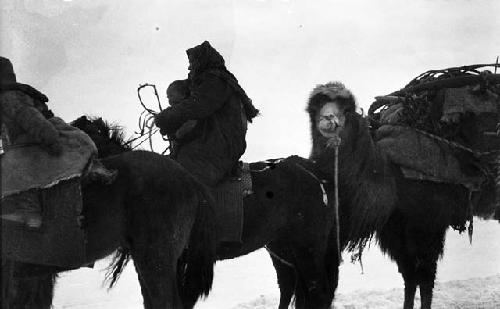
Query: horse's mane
column 367, row 189
column 108, row 137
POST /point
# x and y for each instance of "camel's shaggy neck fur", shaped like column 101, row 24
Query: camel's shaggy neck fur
column 367, row 189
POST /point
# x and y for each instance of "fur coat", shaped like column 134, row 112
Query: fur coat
column 23, row 122
column 221, row 108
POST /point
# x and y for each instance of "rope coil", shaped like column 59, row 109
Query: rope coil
column 146, row 121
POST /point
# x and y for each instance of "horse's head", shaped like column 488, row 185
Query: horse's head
column 108, row 138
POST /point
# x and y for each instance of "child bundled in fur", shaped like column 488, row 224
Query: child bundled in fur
column 176, row 92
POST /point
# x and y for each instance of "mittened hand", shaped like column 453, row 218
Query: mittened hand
column 167, row 121
column 333, row 141
column 160, row 121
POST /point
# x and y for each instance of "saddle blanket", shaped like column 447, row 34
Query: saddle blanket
column 29, row 166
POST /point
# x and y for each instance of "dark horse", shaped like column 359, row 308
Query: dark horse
column 287, row 208
column 153, row 210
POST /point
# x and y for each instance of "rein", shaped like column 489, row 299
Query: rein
column 279, row 258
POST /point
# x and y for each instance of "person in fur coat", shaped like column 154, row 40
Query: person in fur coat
column 221, row 109
column 23, row 112
column 26, row 119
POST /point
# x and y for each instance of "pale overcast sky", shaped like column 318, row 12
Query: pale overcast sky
column 89, row 56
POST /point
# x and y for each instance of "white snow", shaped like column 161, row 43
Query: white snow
column 472, row 293
column 468, row 277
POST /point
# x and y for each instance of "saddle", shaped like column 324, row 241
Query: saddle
column 228, row 196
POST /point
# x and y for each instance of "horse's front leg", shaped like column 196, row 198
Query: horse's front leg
column 285, row 272
column 312, row 273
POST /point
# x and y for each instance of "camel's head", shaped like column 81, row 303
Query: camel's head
column 329, row 107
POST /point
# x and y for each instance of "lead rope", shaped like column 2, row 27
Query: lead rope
column 336, row 201
column 470, row 210
column 279, row 258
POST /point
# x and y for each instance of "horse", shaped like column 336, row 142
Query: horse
column 154, row 210
column 287, row 207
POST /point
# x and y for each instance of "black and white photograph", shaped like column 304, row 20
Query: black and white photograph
column 250, row 154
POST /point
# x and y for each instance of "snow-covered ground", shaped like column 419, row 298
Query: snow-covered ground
column 468, row 277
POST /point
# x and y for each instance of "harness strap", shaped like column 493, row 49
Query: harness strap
column 282, row 260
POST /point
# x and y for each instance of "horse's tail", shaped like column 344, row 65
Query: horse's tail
column 195, row 267
column 115, row 269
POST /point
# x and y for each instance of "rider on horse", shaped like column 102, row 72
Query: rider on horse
column 221, row 108
column 26, row 120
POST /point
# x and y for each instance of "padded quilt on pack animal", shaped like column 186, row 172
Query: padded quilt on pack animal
column 28, row 166
column 424, row 158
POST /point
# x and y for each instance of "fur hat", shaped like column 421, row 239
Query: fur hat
column 8, row 81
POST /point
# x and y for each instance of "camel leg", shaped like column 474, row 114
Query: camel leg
column 407, row 270
column 285, row 273
column 426, row 273
column 410, row 291
column 426, row 294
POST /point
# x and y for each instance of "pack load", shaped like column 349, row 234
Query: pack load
column 443, row 126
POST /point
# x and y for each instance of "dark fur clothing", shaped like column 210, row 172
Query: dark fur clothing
column 24, row 112
column 220, row 107
column 23, row 122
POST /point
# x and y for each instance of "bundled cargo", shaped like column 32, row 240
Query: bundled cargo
column 444, row 126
